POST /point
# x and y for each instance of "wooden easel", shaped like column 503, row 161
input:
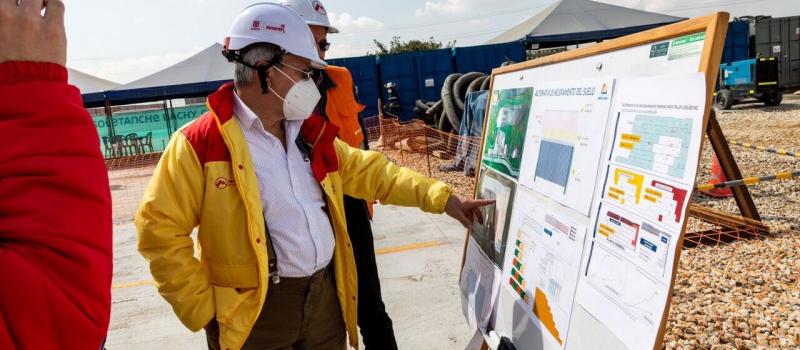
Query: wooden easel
column 715, row 27
column 733, row 226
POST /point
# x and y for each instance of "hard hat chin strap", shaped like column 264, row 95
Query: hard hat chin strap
column 261, row 69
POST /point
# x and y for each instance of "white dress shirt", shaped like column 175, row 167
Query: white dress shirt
column 292, row 198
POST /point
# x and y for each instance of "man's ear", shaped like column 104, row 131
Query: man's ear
column 268, row 74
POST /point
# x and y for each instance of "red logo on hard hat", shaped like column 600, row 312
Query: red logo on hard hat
column 256, row 25
column 319, row 8
column 281, row 28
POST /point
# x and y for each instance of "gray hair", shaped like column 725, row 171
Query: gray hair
column 261, row 52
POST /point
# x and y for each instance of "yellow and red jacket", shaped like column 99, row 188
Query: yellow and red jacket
column 206, row 179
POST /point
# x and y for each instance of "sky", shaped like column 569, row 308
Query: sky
column 123, row 40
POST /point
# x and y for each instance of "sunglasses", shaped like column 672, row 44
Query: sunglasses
column 324, row 45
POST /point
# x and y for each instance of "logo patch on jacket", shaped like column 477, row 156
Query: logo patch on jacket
column 223, row 183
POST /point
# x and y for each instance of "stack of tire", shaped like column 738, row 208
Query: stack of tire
column 446, row 113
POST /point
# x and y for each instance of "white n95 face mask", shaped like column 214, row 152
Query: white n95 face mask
column 300, row 100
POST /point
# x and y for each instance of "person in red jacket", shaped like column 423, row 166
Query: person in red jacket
column 55, row 203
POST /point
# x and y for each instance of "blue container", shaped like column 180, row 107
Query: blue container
column 433, row 67
column 484, row 58
column 399, row 69
column 418, row 75
column 737, row 42
column 738, row 73
column 365, row 77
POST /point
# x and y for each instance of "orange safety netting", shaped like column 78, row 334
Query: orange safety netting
column 443, row 156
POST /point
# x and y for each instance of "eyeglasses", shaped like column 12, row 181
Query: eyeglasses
column 324, row 45
column 307, row 73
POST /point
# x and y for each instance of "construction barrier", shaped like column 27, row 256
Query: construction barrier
column 443, row 156
column 787, row 175
column 780, row 151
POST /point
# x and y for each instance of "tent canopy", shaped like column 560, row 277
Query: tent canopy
column 582, row 20
column 195, row 76
column 89, row 83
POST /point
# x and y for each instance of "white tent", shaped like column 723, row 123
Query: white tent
column 207, row 65
column 89, row 83
column 565, row 18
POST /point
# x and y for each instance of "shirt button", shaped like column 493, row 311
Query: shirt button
column 241, row 167
column 258, row 240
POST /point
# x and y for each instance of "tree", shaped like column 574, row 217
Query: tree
column 398, row 46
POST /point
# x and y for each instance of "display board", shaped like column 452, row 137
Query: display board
column 592, row 156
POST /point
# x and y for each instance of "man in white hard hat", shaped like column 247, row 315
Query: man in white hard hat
column 265, row 190
column 340, row 106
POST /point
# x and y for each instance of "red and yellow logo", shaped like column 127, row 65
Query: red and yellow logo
column 223, row 183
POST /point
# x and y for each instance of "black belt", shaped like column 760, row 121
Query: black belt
column 272, row 259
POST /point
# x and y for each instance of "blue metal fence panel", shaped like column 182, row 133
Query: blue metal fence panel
column 400, row 69
column 484, row 58
column 737, row 42
column 432, row 68
column 365, row 77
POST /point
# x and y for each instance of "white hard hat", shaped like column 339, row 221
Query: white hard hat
column 312, row 12
column 275, row 24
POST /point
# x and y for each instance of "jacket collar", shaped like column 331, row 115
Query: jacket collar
column 319, row 134
column 221, row 103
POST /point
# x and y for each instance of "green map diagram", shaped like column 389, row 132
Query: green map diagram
column 505, row 134
column 659, row 144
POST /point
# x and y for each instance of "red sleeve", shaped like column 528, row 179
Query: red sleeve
column 55, row 214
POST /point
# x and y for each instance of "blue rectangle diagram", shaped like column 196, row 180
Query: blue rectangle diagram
column 554, row 163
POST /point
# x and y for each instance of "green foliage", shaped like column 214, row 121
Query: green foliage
column 398, row 46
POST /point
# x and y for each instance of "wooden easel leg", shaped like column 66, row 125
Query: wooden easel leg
column 740, row 193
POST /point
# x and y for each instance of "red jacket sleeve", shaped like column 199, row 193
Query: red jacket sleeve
column 55, row 214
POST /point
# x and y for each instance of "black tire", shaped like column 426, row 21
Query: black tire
column 436, row 108
column 476, row 85
column 450, row 111
column 418, row 112
column 723, row 100
column 422, row 104
column 486, row 83
column 460, row 88
column 772, row 99
column 444, row 123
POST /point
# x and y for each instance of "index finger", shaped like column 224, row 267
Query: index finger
column 54, row 11
column 481, row 202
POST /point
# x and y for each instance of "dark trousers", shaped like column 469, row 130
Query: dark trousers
column 299, row 314
column 375, row 324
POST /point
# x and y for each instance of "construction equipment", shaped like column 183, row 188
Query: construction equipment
column 745, row 80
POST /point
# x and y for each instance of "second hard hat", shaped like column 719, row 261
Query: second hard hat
column 312, row 12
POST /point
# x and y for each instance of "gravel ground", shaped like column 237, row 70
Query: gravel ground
column 743, row 295
column 746, row 295
column 778, row 202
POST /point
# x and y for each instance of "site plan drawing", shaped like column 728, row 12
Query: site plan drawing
column 565, row 140
column 505, row 133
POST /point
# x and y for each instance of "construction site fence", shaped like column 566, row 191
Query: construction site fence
column 444, row 156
